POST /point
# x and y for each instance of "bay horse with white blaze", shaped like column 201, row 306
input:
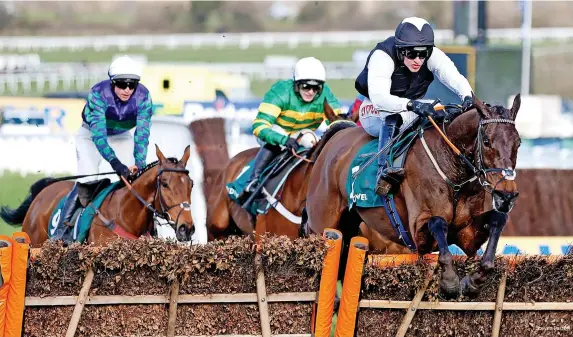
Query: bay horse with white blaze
column 161, row 189
column 442, row 199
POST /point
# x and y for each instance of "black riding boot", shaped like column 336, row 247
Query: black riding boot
column 265, row 155
column 70, row 206
column 391, row 176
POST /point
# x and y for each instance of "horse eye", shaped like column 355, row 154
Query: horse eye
column 486, row 142
column 164, row 184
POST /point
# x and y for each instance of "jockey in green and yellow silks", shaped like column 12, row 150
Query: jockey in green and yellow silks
column 287, row 108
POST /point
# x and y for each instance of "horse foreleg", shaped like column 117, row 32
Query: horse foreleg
column 494, row 221
column 449, row 282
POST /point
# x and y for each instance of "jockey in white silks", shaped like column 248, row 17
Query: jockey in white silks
column 397, row 74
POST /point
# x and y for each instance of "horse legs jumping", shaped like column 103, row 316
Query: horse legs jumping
column 487, row 226
column 449, row 282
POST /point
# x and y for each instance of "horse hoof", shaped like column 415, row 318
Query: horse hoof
column 468, row 288
column 450, row 288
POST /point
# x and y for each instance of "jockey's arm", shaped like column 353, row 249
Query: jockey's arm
column 263, row 123
column 95, row 117
column 269, row 110
column 142, row 130
column 447, row 73
column 380, row 70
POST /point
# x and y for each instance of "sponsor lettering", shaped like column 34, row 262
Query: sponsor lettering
column 368, row 110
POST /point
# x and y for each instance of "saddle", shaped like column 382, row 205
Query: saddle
column 273, row 179
column 88, row 191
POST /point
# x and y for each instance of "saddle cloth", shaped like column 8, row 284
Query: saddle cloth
column 82, row 217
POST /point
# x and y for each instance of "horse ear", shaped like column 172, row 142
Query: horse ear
column 330, row 114
column 481, row 107
column 515, row 107
column 159, row 154
column 186, row 155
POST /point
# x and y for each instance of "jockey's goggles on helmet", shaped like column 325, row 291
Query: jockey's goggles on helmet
column 126, row 83
column 416, row 52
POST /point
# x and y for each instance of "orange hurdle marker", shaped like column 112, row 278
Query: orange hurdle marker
column 17, row 293
column 328, row 280
column 351, row 288
column 6, row 265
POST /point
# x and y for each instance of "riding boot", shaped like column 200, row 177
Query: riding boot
column 387, row 177
column 70, row 206
column 265, row 155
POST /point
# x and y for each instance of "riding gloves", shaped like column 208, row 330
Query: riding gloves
column 291, row 144
column 467, row 103
column 421, row 109
column 119, row 168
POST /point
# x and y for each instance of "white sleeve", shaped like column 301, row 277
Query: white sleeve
column 380, row 70
column 447, row 73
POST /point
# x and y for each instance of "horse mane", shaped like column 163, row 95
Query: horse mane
column 149, row 166
column 331, row 131
column 499, row 110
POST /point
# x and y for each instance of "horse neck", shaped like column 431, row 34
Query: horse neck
column 462, row 132
column 137, row 218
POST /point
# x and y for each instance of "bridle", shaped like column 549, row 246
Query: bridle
column 481, row 170
column 158, row 198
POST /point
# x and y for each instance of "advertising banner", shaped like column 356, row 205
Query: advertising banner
column 36, row 115
column 528, row 245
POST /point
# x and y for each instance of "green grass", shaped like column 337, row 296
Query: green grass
column 233, row 53
column 208, row 54
column 13, row 190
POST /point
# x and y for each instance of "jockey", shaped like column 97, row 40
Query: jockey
column 397, row 73
column 289, row 106
column 113, row 108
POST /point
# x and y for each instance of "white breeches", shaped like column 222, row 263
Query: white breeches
column 89, row 159
column 372, row 119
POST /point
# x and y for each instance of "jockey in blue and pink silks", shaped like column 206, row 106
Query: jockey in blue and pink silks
column 113, row 108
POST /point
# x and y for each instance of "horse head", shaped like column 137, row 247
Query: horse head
column 164, row 187
column 489, row 134
column 173, row 193
column 332, row 116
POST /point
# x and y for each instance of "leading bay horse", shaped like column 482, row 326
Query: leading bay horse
column 488, row 140
column 225, row 217
column 162, row 187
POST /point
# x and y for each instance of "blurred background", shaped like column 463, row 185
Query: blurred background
column 217, row 59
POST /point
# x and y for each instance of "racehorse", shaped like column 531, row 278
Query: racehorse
column 162, row 189
column 225, row 217
column 442, row 198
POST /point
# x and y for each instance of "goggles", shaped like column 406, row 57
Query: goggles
column 122, row 84
column 413, row 53
column 308, row 87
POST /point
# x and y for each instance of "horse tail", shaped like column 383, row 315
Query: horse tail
column 330, row 132
column 16, row 216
